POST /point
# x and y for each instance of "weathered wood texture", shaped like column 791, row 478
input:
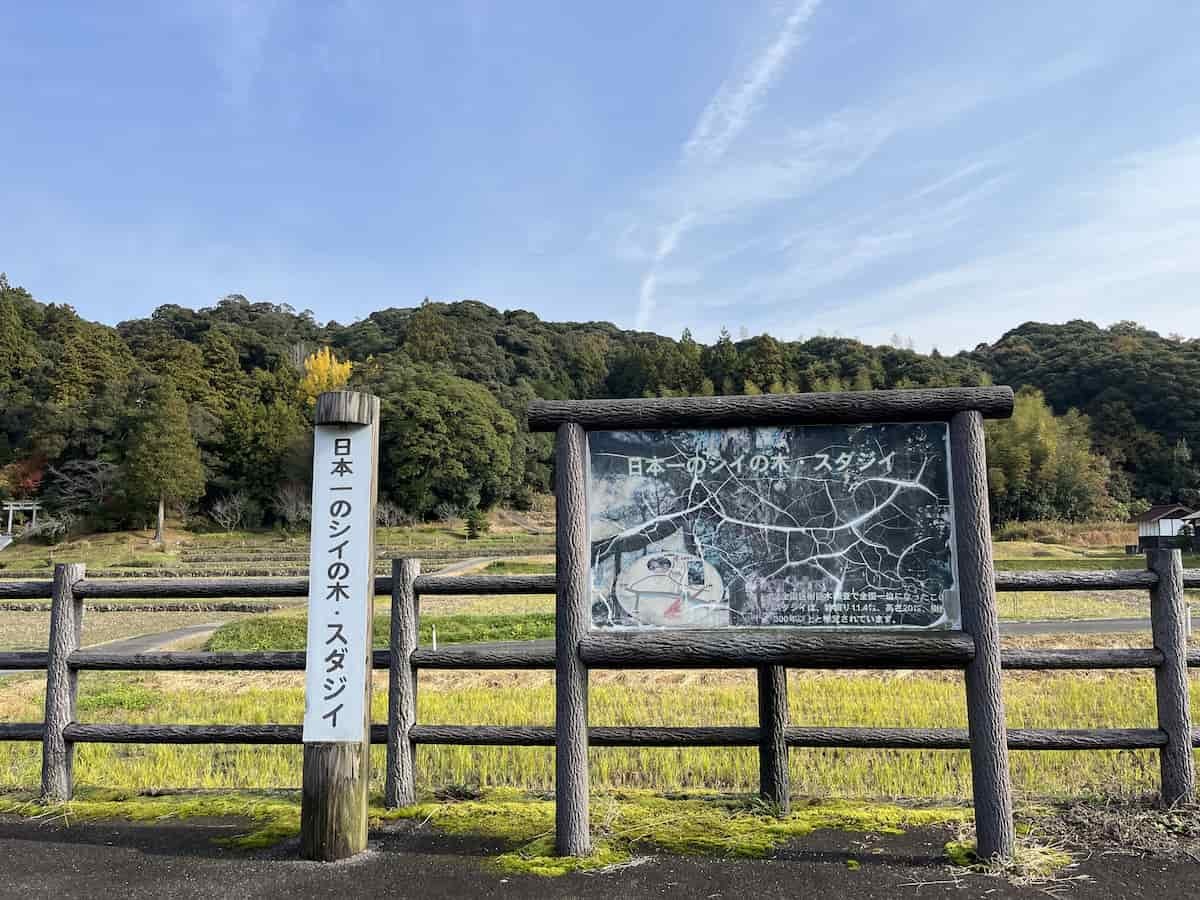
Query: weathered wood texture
column 333, row 811
column 959, row 738
column 746, row 649
column 990, row 778
column 273, row 587
column 167, row 588
column 924, row 404
column 21, row 731
column 572, row 618
column 1120, row 658
column 774, row 785
column 485, row 584
column 184, row 734
column 333, row 801
column 346, row 408
column 1168, row 620
column 25, row 590
column 606, row 736
column 66, row 630
column 191, row 661
column 400, row 779
column 504, row 655
column 500, row 655
column 1116, row 580
column 24, row 659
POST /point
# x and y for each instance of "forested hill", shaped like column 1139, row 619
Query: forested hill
column 1141, row 392
column 456, row 377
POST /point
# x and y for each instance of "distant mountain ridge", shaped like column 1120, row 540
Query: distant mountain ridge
column 63, row 380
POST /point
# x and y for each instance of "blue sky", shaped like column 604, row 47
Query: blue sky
column 941, row 171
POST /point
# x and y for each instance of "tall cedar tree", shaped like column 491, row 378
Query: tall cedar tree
column 163, row 461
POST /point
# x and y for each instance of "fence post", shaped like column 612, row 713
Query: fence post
column 773, row 780
column 572, row 616
column 1168, row 621
column 337, row 694
column 990, row 779
column 400, row 783
column 66, row 632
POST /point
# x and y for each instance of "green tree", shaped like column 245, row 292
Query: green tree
column 443, row 439
column 477, row 523
column 1041, row 466
column 163, row 462
column 265, row 444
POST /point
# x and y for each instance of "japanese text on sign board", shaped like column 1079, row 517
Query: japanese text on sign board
column 339, row 585
column 810, row 526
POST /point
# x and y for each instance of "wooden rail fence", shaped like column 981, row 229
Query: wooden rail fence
column 768, row 651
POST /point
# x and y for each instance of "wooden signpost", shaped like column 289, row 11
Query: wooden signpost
column 807, row 530
column 337, row 690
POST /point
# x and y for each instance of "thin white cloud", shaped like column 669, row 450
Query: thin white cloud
column 774, row 170
column 724, row 118
column 733, row 105
column 1125, row 250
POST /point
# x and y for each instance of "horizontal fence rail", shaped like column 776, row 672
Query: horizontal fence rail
column 618, row 736
column 508, row 655
column 270, row 588
column 1115, row 580
column 741, row 649
column 846, row 407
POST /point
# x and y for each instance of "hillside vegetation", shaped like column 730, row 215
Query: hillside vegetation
column 233, row 386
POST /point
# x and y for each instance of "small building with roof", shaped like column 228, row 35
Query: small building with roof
column 1161, row 525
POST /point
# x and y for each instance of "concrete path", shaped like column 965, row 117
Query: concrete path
column 144, row 643
column 148, row 643
column 465, row 565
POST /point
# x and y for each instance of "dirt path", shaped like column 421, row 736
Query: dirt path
column 47, row 859
column 523, row 521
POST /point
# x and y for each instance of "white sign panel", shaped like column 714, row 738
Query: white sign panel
column 340, row 585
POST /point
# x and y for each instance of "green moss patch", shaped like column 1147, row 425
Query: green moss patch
column 272, row 818
column 625, row 825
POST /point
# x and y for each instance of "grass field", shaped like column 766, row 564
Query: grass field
column 1041, row 700
column 1046, row 700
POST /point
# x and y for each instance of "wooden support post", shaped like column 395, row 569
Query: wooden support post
column 990, row 778
column 773, row 779
column 1168, row 621
column 333, row 803
column 572, row 619
column 400, row 784
column 66, row 632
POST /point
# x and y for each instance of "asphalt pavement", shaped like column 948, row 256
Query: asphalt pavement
column 173, row 859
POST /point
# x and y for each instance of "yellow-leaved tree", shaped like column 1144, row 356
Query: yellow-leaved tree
column 323, row 372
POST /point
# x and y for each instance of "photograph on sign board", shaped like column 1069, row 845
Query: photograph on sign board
column 819, row 527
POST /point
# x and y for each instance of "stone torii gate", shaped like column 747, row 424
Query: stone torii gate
column 30, row 506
